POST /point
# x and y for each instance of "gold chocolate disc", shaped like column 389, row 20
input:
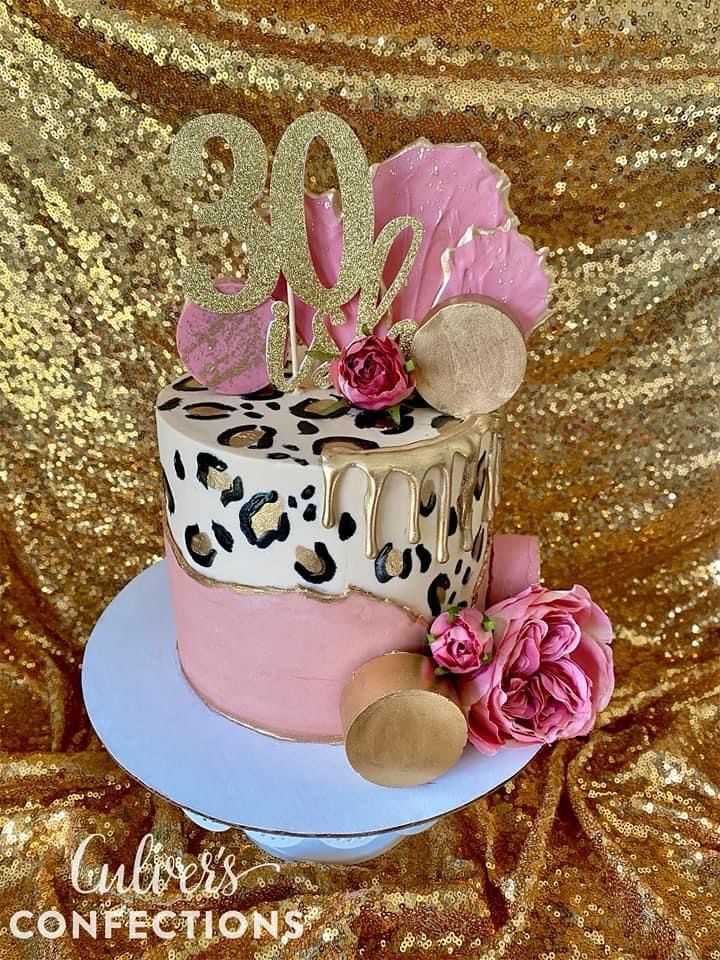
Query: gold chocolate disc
column 403, row 725
column 470, row 357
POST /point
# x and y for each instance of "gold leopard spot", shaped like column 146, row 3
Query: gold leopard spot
column 309, row 559
column 394, row 563
column 201, row 544
column 267, row 517
column 245, row 438
column 218, row 479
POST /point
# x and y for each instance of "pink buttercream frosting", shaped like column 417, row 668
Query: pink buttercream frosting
column 278, row 661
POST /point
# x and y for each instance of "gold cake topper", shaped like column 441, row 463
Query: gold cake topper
column 280, row 245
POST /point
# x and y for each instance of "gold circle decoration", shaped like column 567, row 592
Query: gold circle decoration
column 403, row 725
column 469, row 355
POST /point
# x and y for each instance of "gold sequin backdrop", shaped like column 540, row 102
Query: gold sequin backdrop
column 604, row 115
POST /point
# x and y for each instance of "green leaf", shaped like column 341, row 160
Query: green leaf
column 333, row 407
column 452, row 613
column 395, row 414
column 440, row 671
column 409, row 365
column 487, row 657
column 321, row 355
column 488, row 624
column 430, row 638
column 366, row 329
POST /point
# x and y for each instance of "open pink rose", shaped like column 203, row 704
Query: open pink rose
column 370, row 373
column 461, row 644
column 550, row 674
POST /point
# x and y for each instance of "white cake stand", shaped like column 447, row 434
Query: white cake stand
column 297, row 801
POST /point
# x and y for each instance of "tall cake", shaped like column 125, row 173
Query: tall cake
column 302, row 544
column 331, row 456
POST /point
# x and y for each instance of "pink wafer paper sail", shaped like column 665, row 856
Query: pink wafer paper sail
column 503, row 266
column 470, row 242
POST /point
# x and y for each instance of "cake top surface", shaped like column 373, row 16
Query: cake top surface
column 292, row 427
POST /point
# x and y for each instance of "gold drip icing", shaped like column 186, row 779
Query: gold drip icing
column 466, row 439
column 306, row 592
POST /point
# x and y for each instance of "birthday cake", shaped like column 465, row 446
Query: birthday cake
column 331, row 456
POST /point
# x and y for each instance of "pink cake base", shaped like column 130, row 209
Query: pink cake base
column 278, row 661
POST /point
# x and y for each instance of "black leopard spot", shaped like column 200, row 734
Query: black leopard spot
column 279, row 455
column 270, row 392
column 273, row 405
column 179, row 466
column 291, row 446
column 346, row 526
column 254, row 437
column 199, row 546
column 466, row 576
column 223, row 536
column 247, row 406
column 441, row 420
column 208, row 411
column 477, row 547
column 306, row 427
column 481, row 477
column 349, row 443
column 458, row 567
column 424, row 556
column 308, row 492
column 292, row 502
column 427, row 507
column 233, row 493
column 315, row 566
column 391, row 563
column 300, row 461
column 452, row 521
column 261, row 524
column 205, row 462
column 310, row 512
column 382, row 421
column 170, row 404
column 168, row 493
column 188, row 385
column 254, row 415
column 312, row 409
column 436, row 593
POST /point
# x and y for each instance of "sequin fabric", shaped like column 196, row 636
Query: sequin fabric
column 605, row 117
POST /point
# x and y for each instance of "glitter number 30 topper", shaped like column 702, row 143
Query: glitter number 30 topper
column 278, row 249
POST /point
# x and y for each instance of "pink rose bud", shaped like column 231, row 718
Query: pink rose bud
column 371, row 373
column 461, row 641
column 550, row 675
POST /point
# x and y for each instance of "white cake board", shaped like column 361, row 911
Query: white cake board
column 298, row 801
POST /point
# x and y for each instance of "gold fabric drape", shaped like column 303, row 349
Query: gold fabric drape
column 604, row 116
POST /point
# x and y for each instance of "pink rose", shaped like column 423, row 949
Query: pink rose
column 370, row 373
column 461, row 644
column 551, row 672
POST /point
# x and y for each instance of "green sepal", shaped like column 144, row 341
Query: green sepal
column 409, row 365
column 394, row 413
column 440, row 671
column 321, row 355
column 488, row 624
column 430, row 638
column 452, row 613
column 337, row 405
